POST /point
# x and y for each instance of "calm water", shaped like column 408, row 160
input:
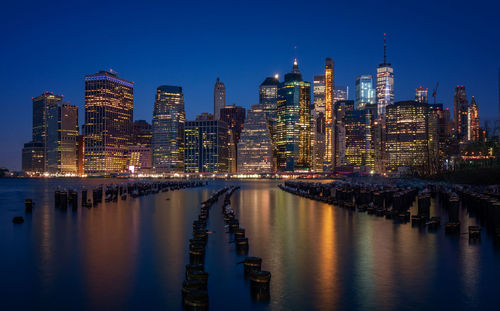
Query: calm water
column 131, row 254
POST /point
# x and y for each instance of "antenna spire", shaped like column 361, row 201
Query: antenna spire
column 385, row 48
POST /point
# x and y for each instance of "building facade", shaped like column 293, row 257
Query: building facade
column 294, row 123
column 142, row 133
column 234, row 117
column 329, row 121
column 460, row 110
column 407, row 136
column 168, row 130
column 205, row 146
column 62, row 139
column 219, row 97
column 255, row 149
column 365, row 94
column 473, row 121
column 359, row 152
column 421, row 95
column 109, row 106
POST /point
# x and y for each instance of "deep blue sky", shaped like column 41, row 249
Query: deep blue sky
column 50, row 46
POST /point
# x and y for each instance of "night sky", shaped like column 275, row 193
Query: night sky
column 50, row 46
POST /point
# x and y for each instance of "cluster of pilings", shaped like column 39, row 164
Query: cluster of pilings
column 233, row 225
column 194, row 287
column 259, row 280
column 69, row 198
column 394, row 202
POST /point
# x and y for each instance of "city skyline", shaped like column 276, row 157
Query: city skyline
column 413, row 66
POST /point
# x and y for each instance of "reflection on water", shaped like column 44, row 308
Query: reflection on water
column 131, row 254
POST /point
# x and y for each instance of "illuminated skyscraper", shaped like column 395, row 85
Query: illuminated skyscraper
column 234, row 116
column 255, row 146
column 329, row 121
column 318, row 124
column 109, row 105
column 219, row 97
column 365, row 94
column 319, row 93
column 33, row 159
column 359, row 152
column 168, row 129
column 407, row 136
column 460, row 109
column 294, row 122
column 421, row 95
column 341, row 107
column 268, row 95
column 473, row 121
column 62, row 138
column 205, row 145
column 385, row 83
column 41, row 106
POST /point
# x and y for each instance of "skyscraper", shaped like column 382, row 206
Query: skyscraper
column 359, row 152
column 41, row 106
column 473, row 121
column 319, row 93
column 219, row 97
column 407, row 136
column 234, row 116
column 109, row 106
column 385, row 83
column 255, row 148
column 341, row 107
column 329, row 122
column 294, row 122
column 421, row 95
column 365, row 94
column 62, row 138
column 205, row 145
column 318, row 123
column 268, row 95
column 168, row 129
column 460, row 109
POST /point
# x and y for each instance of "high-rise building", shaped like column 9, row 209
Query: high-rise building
column 365, row 94
column 359, row 152
column 62, row 138
column 385, row 83
column 268, row 95
column 421, row 95
column 329, row 121
column 407, row 136
column 294, row 122
column 41, row 106
column 318, row 123
column 460, row 109
column 443, row 131
column 340, row 92
column 168, row 130
column 33, row 159
column 319, row 93
column 205, row 145
column 341, row 107
column 219, row 97
column 473, row 121
column 142, row 133
column 109, row 106
column 255, row 148
column 234, row 116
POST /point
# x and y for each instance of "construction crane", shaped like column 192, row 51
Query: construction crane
column 434, row 93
